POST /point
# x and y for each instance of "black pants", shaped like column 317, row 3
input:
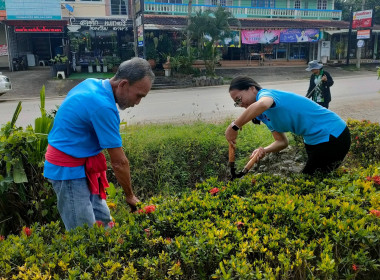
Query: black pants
column 326, row 157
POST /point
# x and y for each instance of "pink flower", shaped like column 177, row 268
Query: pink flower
column 111, row 224
column 375, row 212
column 354, row 267
column 27, row 231
column 147, row 231
column 214, row 191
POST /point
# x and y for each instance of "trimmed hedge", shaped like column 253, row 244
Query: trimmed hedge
column 259, row 227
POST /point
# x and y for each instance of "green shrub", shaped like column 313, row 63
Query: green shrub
column 259, row 227
column 365, row 144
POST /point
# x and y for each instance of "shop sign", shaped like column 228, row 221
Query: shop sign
column 260, row 36
column 360, row 43
column 362, row 19
column 299, row 35
column 39, row 29
column 363, row 34
column 3, row 50
column 101, row 24
column 33, row 10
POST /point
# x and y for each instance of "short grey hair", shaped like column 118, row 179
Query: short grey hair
column 134, row 70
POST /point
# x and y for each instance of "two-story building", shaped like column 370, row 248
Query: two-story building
column 94, row 29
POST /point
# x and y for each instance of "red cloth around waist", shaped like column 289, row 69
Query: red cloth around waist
column 95, row 168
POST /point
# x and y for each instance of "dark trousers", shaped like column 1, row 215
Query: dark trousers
column 326, row 157
column 324, row 104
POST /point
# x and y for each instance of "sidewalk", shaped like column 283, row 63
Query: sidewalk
column 27, row 84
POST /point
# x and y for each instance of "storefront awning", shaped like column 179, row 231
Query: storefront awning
column 341, row 31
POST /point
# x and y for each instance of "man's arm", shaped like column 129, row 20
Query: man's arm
column 120, row 166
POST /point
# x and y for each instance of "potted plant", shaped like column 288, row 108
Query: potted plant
column 90, row 68
column 98, row 67
column 59, row 63
column 105, row 70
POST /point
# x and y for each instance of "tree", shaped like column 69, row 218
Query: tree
column 358, row 5
column 207, row 28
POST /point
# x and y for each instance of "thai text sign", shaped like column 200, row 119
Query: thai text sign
column 3, row 50
column 363, row 34
column 260, row 36
column 98, row 24
column 38, row 29
column 362, row 19
column 299, row 35
column 33, row 10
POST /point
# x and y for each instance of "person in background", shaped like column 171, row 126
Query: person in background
column 320, row 83
column 326, row 136
column 86, row 123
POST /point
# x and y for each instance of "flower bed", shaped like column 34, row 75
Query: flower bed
column 259, row 227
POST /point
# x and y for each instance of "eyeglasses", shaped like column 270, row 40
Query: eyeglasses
column 238, row 102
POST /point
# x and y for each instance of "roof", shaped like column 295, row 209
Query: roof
column 166, row 22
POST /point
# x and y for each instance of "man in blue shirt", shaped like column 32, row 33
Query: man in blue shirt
column 86, row 123
column 326, row 136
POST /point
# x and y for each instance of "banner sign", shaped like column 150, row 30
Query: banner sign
column 362, row 19
column 260, row 36
column 33, row 10
column 299, row 35
column 3, row 50
column 140, row 36
column 38, row 29
column 232, row 40
column 363, row 34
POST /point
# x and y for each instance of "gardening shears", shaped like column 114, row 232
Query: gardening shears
column 231, row 163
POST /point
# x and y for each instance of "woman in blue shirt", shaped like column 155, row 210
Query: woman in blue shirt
column 326, row 136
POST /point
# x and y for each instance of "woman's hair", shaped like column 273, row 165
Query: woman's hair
column 243, row 83
column 134, row 70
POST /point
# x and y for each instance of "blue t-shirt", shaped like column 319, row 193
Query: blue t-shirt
column 301, row 116
column 86, row 123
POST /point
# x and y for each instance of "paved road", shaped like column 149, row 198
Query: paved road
column 355, row 97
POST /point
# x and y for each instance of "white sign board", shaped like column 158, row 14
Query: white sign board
column 325, row 48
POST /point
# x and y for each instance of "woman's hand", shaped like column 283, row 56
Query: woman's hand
column 260, row 152
column 231, row 135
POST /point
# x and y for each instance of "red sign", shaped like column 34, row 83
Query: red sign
column 362, row 19
column 38, row 29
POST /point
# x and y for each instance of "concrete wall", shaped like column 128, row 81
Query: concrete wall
column 86, row 9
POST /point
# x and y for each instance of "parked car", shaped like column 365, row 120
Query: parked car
column 5, row 84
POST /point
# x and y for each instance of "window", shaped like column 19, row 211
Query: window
column 297, row 4
column 118, row 7
column 263, row 3
column 169, row 1
column 322, row 5
column 91, row 0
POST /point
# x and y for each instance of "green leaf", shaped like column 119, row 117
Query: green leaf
column 19, row 175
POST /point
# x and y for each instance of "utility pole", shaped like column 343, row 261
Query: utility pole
column 349, row 39
column 189, row 7
column 359, row 49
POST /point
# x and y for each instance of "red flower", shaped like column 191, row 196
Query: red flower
column 2, row 237
column 147, row 231
column 111, row 224
column 375, row 212
column 354, row 267
column 375, row 179
column 214, row 191
column 99, row 223
column 27, row 231
column 147, row 209
column 357, row 137
column 239, row 225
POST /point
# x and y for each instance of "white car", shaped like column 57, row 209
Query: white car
column 5, row 84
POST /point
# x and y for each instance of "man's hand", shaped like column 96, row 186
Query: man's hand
column 324, row 78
